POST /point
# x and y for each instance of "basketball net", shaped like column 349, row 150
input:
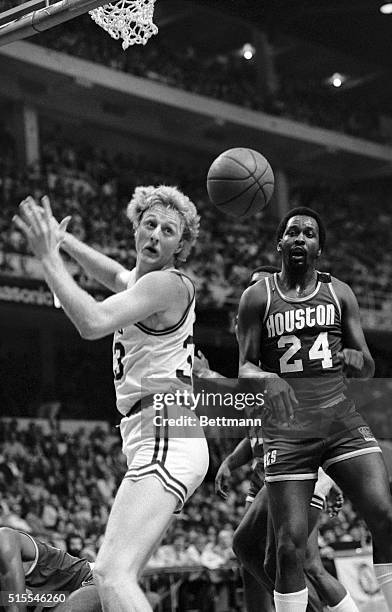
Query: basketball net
column 130, row 20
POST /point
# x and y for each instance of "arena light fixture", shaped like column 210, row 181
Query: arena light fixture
column 248, row 51
column 336, row 80
column 386, row 8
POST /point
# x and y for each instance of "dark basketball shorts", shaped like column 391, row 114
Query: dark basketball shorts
column 321, row 490
column 295, row 453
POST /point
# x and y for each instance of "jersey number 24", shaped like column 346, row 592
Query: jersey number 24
column 319, row 350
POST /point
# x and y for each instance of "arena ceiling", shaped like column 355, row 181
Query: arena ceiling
column 311, row 38
column 355, row 27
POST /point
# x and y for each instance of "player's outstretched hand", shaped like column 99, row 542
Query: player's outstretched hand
column 280, row 397
column 200, row 363
column 335, row 500
column 352, row 361
column 43, row 234
column 221, row 480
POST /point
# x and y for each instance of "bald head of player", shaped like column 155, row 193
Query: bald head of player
column 300, row 240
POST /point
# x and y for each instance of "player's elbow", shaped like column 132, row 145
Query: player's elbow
column 91, row 329
column 90, row 333
column 87, row 334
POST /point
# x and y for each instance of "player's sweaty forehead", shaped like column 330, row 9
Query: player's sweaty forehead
column 302, row 222
column 165, row 214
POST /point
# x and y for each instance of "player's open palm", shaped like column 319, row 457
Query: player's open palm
column 281, row 399
column 42, row 232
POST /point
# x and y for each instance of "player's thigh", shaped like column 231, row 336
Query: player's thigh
column 140, row 514
column 253, row 527
column 364, row 480
column 289, row 506
column 270, row 550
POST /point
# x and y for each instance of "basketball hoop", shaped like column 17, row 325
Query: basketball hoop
column 130, row 20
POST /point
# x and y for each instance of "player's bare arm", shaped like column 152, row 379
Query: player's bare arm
column 153, row 293
column 252, row 305
column 241, row 455
column 105, row 270
column 356, row 357
column 15, row 547
column 280, row 394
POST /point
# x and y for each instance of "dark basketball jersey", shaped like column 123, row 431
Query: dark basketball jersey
column 54, row 570
column 301, row 338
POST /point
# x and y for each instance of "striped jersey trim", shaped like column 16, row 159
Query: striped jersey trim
column 268, row 304
column 156, row 446
column 335, row 298
column 35, row 561
column 176, row 326
column 161, row 441
column 168, row 330
column 286, row 298
column 169, row 482
column 357, row 453
column 316, row 501
column 281, row 477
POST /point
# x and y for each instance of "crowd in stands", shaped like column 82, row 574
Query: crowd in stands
column 227, row 76
column 60, row 486
column 94, row 187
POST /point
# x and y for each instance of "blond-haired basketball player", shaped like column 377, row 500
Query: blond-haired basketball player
column 151, row 316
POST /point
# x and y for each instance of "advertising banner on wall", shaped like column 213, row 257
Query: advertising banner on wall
column 356, row 573
column 33, row 292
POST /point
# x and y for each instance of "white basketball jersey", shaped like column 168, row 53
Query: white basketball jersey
column 141, row 353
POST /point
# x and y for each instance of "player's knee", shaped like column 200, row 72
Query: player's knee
column 100, row 574
column 109, row 575
column 290, row 549
column 314, row 568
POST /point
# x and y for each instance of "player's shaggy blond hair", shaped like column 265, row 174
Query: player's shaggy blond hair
column 145, row 197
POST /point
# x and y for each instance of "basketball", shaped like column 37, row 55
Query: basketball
column 240, row 182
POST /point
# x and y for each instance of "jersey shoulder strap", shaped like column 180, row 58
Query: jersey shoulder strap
column 181, row 275
column 324, row 277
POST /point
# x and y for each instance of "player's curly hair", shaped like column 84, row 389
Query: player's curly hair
column 171, row 197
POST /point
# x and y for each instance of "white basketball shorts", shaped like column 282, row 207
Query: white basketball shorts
column 176, row 455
